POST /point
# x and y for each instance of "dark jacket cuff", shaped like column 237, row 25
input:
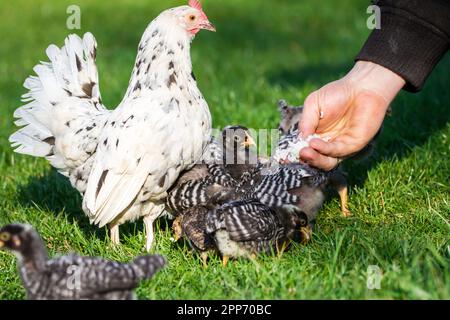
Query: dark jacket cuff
column 405, row 46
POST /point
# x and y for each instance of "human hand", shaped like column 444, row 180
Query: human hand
column 349, row 112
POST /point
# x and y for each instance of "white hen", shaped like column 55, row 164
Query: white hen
column 121, row 161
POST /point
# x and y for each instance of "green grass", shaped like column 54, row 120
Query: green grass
column 400, row 198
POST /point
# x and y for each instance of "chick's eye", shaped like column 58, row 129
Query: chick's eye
column 236, row 139
column 4, row 236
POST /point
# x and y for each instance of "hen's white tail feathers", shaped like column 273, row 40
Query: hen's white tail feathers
column 69, row 81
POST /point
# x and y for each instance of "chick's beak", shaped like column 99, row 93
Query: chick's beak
column 248, row 142
column 206, row 25
column 2, row 244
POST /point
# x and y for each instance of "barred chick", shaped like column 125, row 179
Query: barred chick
column 206, row 185
column 293, row 188
column 73, row 276
column 247, row 228
column 226, row 160
column 291, row 116
column 288, row 127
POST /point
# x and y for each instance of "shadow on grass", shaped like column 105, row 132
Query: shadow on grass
column 414, row 119
column 53, row 192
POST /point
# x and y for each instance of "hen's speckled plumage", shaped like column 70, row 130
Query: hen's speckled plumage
column 73, row 277
column 122, row 161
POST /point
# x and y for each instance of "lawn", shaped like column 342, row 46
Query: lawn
column 263, row 51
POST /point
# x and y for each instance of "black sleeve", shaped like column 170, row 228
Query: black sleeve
column 413, row 38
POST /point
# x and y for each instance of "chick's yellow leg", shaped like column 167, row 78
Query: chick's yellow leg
column 281, row 248
column 204, row 257
column 225, row 260
column 176, row 228
column 306, row 234
column 343, row 195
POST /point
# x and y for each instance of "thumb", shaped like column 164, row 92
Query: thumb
column 310, row 115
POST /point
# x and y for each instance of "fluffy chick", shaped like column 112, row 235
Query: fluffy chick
column 206, row 185
column 248, row 228
column 73, row 276
column 291, row 116
column 288, row 127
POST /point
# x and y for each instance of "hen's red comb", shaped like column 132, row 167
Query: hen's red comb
column 195, row 4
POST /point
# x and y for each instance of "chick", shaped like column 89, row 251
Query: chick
column 247, row 228
column 267, row 198
column 291, row 115
column 206, row 185
column 288, row 127
column 73, row 276
column 237, row 155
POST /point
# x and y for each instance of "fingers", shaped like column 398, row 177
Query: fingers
column 315, row 159
column 326, row 155
column 335, row 149
column 310, row 116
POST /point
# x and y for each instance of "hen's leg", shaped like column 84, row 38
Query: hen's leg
column 148, row 222
column 114, row 233
column 155, row 212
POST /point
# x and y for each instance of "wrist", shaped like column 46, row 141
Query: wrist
column 373, row 77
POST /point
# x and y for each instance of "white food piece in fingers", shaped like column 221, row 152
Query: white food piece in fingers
column 291, row 154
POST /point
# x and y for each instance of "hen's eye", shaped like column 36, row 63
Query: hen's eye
column 192, row 17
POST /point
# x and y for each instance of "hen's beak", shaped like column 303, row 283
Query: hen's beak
column 2, row 244
column 207, row 26
column 248, row 142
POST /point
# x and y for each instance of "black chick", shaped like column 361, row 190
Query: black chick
column 73, row 277
column 206, row 185
column 288, row 127
column 248, row 228
column 237, row 155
